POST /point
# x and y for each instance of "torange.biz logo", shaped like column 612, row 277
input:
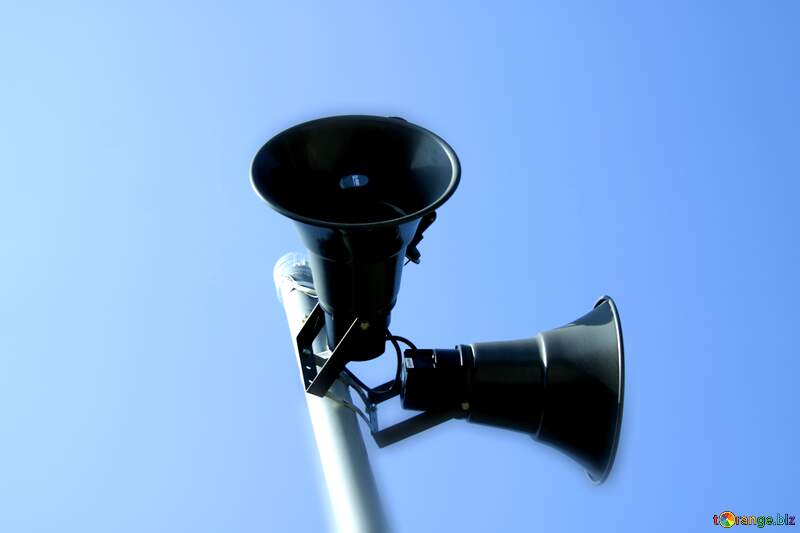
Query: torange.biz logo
column 728, row 519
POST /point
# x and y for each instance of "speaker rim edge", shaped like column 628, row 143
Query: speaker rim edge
column 620, row 404
column 455, row 180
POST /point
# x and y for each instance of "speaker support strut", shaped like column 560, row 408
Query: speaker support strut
column 319, row 382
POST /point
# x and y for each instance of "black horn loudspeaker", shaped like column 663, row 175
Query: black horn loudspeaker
column 361, row 190
column 564, row 387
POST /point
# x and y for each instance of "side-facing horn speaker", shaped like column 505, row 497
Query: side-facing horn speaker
column 564, row 387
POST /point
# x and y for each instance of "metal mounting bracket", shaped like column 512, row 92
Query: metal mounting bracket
column 318, row 382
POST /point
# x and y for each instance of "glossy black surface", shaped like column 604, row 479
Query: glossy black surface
column 409, row 171
column 584, row 388
column 357, row 187
column 564, row 387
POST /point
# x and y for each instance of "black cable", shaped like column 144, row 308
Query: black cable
column 405, row 341
column 398, row 352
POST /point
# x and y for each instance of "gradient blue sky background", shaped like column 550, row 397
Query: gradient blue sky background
column 644, row 150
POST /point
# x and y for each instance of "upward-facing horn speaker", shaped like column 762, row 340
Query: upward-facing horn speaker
column 361, row 190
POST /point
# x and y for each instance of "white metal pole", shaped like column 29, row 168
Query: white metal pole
column 354, row 499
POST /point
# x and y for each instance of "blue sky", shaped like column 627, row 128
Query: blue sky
column 644, row 150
